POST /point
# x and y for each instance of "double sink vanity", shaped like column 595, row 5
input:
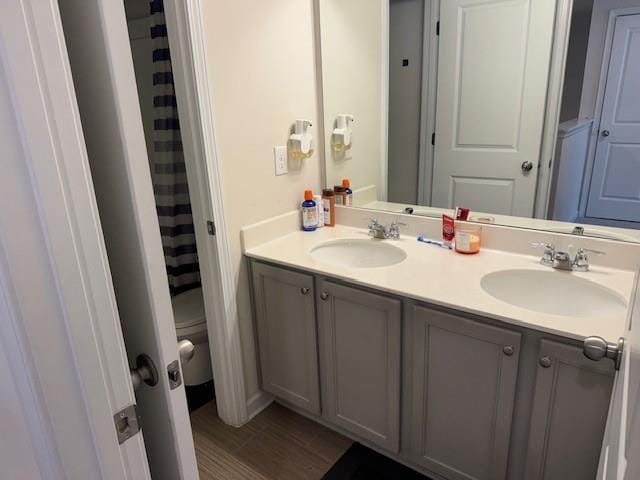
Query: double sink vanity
column 463, row 367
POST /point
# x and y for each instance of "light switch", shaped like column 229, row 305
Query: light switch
column 280, row 159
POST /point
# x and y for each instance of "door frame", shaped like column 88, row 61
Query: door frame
column 555, row 87
column 599, row 103
column 193, row 92
column 428, row 96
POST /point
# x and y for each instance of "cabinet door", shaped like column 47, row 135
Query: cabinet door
column 360, row 349
column 464, row 382
column 569, row 414
column 286, row 323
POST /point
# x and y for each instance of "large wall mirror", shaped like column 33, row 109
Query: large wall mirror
column 525, row 111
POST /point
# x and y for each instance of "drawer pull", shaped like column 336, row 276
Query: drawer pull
column 324, row 295
column 508, row 350
column 304, row 290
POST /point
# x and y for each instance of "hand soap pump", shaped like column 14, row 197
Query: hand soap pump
column 301, row 141
column 341, row 138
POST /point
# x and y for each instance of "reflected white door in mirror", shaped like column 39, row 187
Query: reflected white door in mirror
column 521, row 110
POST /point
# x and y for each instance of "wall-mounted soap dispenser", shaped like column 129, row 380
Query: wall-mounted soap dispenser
column 341, row 138
column 301, row 141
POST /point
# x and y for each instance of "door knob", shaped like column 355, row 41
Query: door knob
column 605, row 133
column 526, row 166
column 186, row 351
column 145, row 371
column 597, row 348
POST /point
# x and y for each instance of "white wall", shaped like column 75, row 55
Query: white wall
column 353, row 35
column 261, row 64
column 595, row 52
column 406, row 19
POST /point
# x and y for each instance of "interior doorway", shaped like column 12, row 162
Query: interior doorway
column 161, row 121
column 597, row 160
column 614, row 190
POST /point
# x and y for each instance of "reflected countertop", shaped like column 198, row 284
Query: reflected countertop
column 555, row 226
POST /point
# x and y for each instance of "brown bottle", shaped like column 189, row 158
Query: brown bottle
column 329, row 206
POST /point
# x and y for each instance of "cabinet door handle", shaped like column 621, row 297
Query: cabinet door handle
column 304, row 290
column 508, row 350
column 324, row 295
column 545, row 362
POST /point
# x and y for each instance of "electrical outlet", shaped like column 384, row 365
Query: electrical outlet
column 280, row 159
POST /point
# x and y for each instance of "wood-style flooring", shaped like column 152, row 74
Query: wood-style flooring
column 276, row 444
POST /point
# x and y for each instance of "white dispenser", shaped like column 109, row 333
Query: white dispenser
column 301, row 141
column 341, row 138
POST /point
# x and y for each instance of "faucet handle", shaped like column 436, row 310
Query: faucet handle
column 581, row 262
column 549, row 252
column 394, row 229
column 582, row 251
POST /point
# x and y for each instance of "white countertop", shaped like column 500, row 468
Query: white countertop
column 443, row 277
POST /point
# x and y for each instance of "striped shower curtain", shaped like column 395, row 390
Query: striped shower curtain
column 168, row 169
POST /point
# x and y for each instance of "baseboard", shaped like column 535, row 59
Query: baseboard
column 258, row 402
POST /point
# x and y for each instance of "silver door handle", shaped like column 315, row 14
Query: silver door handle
column 526, row 166
column 597, row 348
column 605, row 133
column 145, row 372
column 186, row 351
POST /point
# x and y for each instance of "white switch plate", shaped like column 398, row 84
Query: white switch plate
column 280, row 159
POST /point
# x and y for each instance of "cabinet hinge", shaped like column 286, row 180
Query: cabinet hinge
column 438, row 28
column 211, row 227
column 127, row 423
column 433, row 139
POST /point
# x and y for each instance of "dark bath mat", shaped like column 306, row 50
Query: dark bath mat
column 362, row 463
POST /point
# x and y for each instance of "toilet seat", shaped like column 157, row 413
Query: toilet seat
column 188, row 310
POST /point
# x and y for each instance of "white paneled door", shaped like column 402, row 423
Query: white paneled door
column 105, row 85
column 619, row 459
column 492, row 86
column 615, row 183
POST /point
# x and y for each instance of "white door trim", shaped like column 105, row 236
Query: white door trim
column 602, row 84
column 186, row 37
column 564, row 10
column 35, row 59
column 428, row 98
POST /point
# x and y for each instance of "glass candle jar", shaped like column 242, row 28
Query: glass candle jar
column 468, row 238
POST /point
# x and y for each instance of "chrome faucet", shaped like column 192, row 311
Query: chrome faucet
column 561, row 260
column 377, row 230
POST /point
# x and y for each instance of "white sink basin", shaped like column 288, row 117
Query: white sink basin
column 553, row 292
column 358, row 253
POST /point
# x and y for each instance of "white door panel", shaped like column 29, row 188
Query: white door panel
column 615, row 186
column 619, row 459
column 492, row 81
column 102, row 67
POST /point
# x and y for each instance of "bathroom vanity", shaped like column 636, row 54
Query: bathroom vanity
column 416, row 360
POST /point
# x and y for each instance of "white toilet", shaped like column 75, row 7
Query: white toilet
column 191, row 324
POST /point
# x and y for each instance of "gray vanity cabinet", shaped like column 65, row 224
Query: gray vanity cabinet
column 570, row 406
column 287, row 340
column 360, row 352
column 463, row 389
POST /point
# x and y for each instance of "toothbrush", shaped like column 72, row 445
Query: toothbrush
column 437, row 243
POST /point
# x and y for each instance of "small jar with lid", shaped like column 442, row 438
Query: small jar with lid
column 467, row 238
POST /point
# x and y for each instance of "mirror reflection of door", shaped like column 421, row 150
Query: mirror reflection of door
column 615, row 184
column 492, row 85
